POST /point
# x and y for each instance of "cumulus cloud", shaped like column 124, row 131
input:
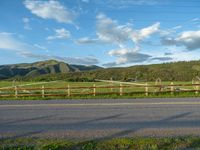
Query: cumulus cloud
column 51, row 9
column 132, row 57
column 70, row 60
column 60, row 34
column 127, row 58
column 188, row 39
column 119, row 52
column 145, row 32
column 109, row 31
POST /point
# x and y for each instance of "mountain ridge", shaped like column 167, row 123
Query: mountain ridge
column 41, row 68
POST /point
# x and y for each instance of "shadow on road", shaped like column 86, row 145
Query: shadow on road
column 166, row 122
column 125, row 127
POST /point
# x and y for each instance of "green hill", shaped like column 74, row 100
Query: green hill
column 31, row 70
column 177, row 71
column 54, row 70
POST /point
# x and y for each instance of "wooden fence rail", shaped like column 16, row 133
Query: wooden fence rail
column 95, row 90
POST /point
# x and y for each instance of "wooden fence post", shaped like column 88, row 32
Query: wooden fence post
column 172, row 88
column 146, row 89
column 68, row 91
column 197, row 90
column 94, row 90
column 16, row 92
column 121, row 90
column 111, row 85
column 43, row 91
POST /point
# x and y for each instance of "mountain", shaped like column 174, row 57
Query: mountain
column 30, row 70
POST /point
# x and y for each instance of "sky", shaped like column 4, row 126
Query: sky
column 107, row 33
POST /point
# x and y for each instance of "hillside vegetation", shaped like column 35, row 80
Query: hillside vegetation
column 53, row 70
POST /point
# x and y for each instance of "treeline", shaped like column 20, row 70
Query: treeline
column 177, row 71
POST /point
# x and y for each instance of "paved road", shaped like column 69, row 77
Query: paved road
column 100, row 119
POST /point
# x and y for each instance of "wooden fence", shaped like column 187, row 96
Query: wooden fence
column 94, row 90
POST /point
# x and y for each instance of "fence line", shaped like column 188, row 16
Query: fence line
column 28, row 84
column 94, row 90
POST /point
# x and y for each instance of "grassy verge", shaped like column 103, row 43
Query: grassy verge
column 112, row 144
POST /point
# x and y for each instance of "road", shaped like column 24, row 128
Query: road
column 100, row 119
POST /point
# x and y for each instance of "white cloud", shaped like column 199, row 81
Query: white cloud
column 119, row 52
column 127, row 57
column 60, row 34
column 189, row 39
column 145, row 32
column 8, row 42
column 86, row 40
column 195, row 19
column 38, row 46
column 169, row 31
column 51, row 9
column 177, row 27
column 109, row 31
column 26, row 22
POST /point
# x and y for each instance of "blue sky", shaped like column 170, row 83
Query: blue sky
column 107, row 33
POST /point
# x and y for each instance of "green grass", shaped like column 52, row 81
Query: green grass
column 111, row 144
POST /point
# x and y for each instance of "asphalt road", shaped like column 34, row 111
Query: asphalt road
column 100, row 119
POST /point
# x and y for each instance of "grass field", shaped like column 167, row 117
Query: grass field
column 64, row 83
column 130, row 92
column 112, row 144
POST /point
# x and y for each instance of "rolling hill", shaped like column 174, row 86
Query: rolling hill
column 54, row 70
column 176, row 71
column 40, row 68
